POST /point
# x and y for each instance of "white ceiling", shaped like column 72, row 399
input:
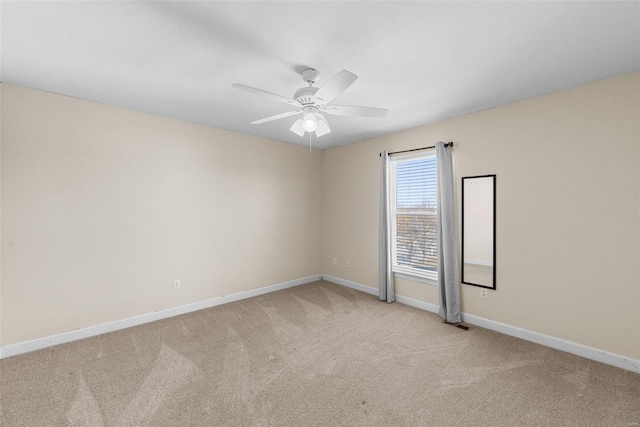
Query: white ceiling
column 424, row 61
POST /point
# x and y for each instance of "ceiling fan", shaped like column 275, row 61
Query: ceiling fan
column 311, row 102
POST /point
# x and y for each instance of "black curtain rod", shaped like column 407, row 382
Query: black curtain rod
column 448, row 144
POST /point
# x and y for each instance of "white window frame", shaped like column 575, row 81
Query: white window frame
column 401, row 271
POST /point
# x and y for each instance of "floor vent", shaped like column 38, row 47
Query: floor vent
column 466, row 328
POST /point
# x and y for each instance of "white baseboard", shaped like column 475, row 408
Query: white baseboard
column 602, row 356
column 349, row 284
column 587, row 352
column 373, row 291
column 426, row 306
column 77, row 334
column 613, row 359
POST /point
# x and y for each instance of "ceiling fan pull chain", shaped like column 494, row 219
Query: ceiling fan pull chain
column 309, row 142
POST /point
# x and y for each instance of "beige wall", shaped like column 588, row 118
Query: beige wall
column 103, row 207
column 568, row 210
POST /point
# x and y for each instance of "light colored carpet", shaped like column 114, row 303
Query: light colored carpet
column 318, row 354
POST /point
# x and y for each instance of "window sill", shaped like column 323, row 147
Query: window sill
column 412, row 277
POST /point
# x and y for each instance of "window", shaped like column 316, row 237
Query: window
column 413, row 200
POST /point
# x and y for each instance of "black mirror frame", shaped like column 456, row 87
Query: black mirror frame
column 494, row 232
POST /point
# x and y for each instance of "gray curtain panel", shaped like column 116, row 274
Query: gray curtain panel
column 448, row 283
column 385, row 275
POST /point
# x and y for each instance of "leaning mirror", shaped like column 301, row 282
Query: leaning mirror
column 479, row 231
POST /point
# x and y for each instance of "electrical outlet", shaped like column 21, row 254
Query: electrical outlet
column 176, row 284
column 484, row 293
column 335, row 261
column 348, row 263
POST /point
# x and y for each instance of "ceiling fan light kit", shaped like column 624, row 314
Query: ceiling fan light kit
column 310, row 122
column 311, row 102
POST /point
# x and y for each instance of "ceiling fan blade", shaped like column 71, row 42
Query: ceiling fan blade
column 266, row 94
column 297, row 128
column 352, row 110
column 335, row 86
column 322, row 127
column 276, row 117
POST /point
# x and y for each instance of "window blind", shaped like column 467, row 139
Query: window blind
column 415, row 209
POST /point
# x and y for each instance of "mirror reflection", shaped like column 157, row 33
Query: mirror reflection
column 478, row 231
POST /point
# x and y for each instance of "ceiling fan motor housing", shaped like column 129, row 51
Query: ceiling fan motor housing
column 305, row 95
